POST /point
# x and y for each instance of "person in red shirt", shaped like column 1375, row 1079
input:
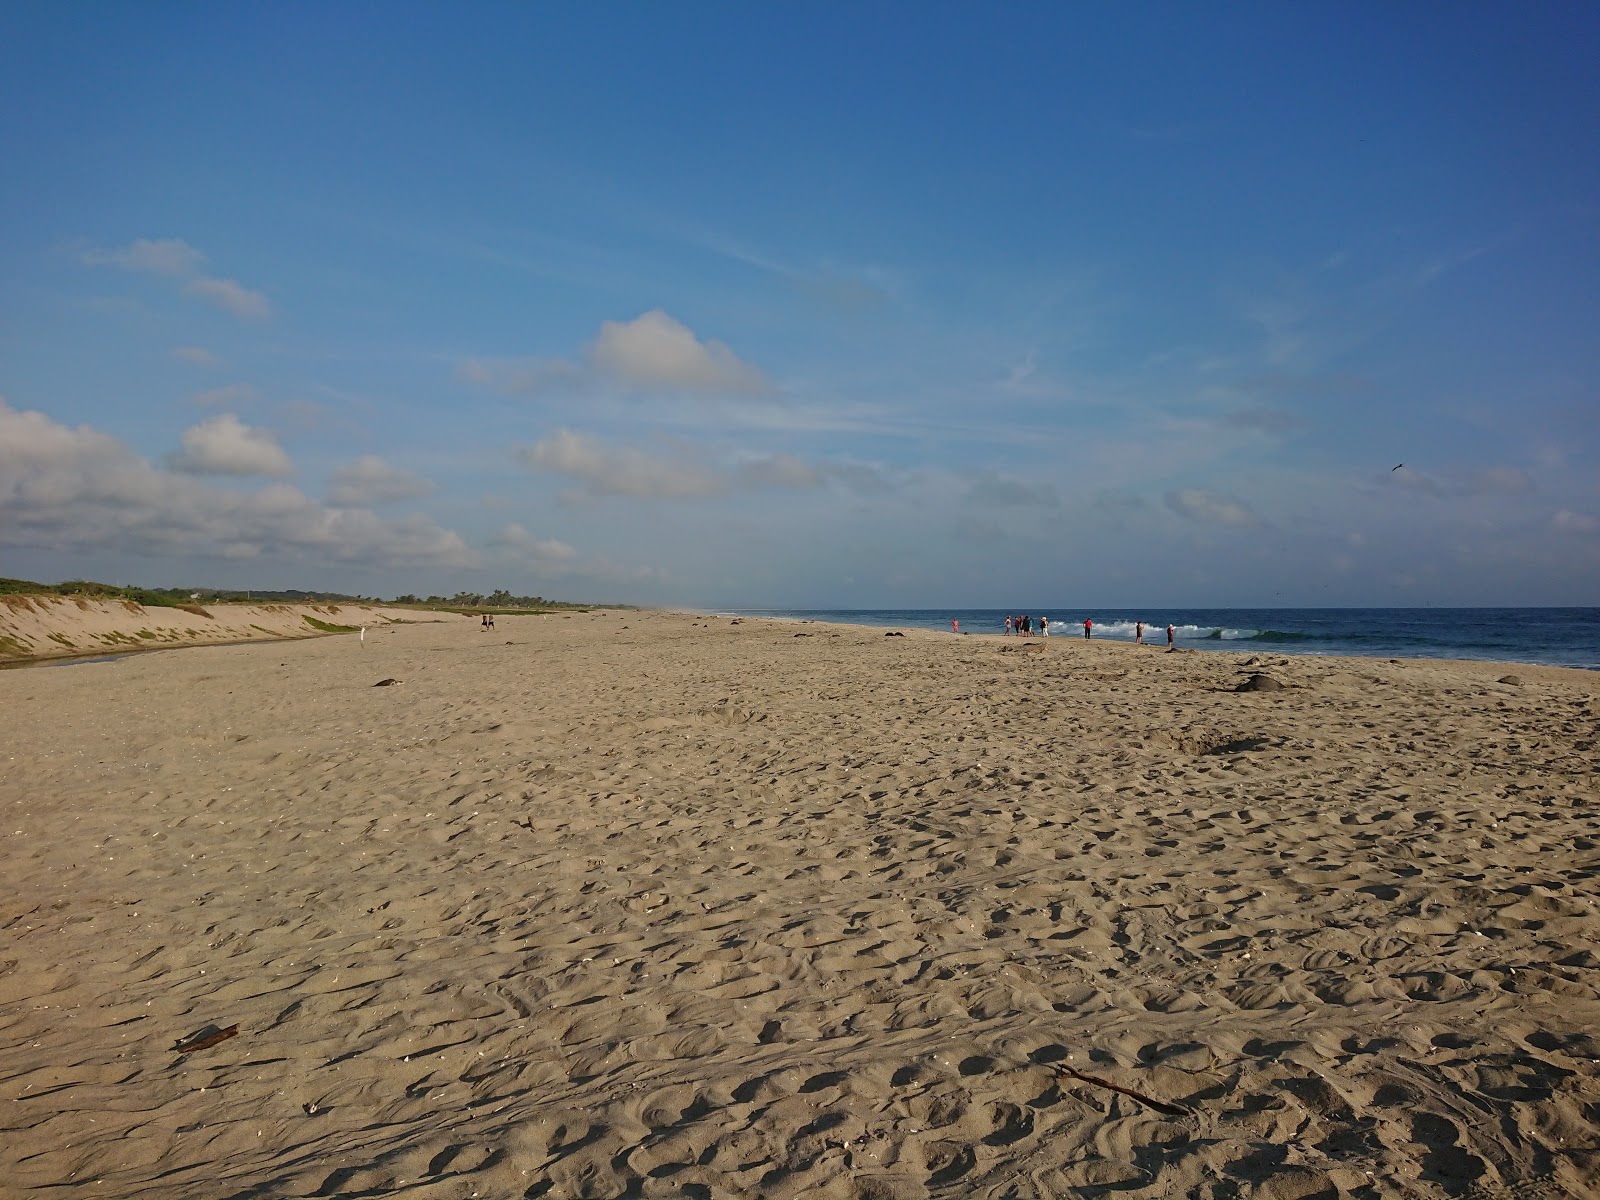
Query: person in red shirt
column 1087, row 626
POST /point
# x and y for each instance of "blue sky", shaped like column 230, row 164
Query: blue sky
column 833, row 306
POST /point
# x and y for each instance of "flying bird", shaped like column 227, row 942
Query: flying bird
column 1395, row 468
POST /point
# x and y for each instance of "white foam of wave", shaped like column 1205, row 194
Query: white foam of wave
column 1157, row 631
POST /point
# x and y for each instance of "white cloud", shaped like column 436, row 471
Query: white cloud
column 1201, row 504
column 515, row 537
column 66, row 488
column 231, row 295
column 198, row 355
column 1567, row 521
column 653, row 352
column 220, row 397
column 685, row 473
column 224, row 445
column 369, row 481
column 656, row 351
column 176, row 258
column 618, row 470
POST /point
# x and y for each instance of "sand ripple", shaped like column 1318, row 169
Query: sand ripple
column 697, row 909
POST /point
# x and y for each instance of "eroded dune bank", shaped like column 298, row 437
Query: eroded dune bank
column 66, row 626
column 660, row 905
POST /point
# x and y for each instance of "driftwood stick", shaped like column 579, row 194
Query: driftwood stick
column 205, row 1039
column 1161, row 1106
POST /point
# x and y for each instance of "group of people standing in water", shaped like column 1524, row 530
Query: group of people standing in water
column 1024, row 626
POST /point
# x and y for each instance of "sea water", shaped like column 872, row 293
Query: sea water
column 1562, row 637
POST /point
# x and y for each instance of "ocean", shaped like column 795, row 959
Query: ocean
column 1557, row 637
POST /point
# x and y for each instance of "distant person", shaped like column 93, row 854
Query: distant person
column 1027, row 626
column 484, row 625
column 1044, row 626
column 1138, row 633
column 490, row 618
column 1008, row 626
column 1169, row 637
column 955, row 625
column 1087, row 626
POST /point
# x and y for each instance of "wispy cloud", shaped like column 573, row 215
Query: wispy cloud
column 992, row 490
column 196, row 355
column 683, row 472
column 524, row 376
column 1461, row 481
column 835, row 285
column 225, row 396
column 537, row 549
column 1567, row 521
column 233, row 296
column 175, row 258
column 371, row 481
column 1209, row 507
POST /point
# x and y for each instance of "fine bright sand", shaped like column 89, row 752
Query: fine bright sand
column 658, row 905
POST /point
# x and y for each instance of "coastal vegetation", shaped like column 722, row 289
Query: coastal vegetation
column 499, row 602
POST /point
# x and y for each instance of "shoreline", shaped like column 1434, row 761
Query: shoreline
column 1508, row 666
column 937, row 623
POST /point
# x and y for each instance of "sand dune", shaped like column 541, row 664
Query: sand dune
column 656, row 905
column 71, row 626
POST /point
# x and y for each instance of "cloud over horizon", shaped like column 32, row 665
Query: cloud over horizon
column 65, row 488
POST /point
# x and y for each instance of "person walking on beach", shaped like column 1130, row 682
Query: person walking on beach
column 1088, row 624
column 955, row 625
column 1044, row 626
column 1169, row 637
column 1008, row 626
column 484, row 623
column 1138, row 633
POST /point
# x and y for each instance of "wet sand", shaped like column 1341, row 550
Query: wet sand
column 656, row 905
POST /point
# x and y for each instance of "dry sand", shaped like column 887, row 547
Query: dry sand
column 656, row 905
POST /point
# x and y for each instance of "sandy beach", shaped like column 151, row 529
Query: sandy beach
column 646, row 904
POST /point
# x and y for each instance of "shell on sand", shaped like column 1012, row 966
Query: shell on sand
column 690, row 909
